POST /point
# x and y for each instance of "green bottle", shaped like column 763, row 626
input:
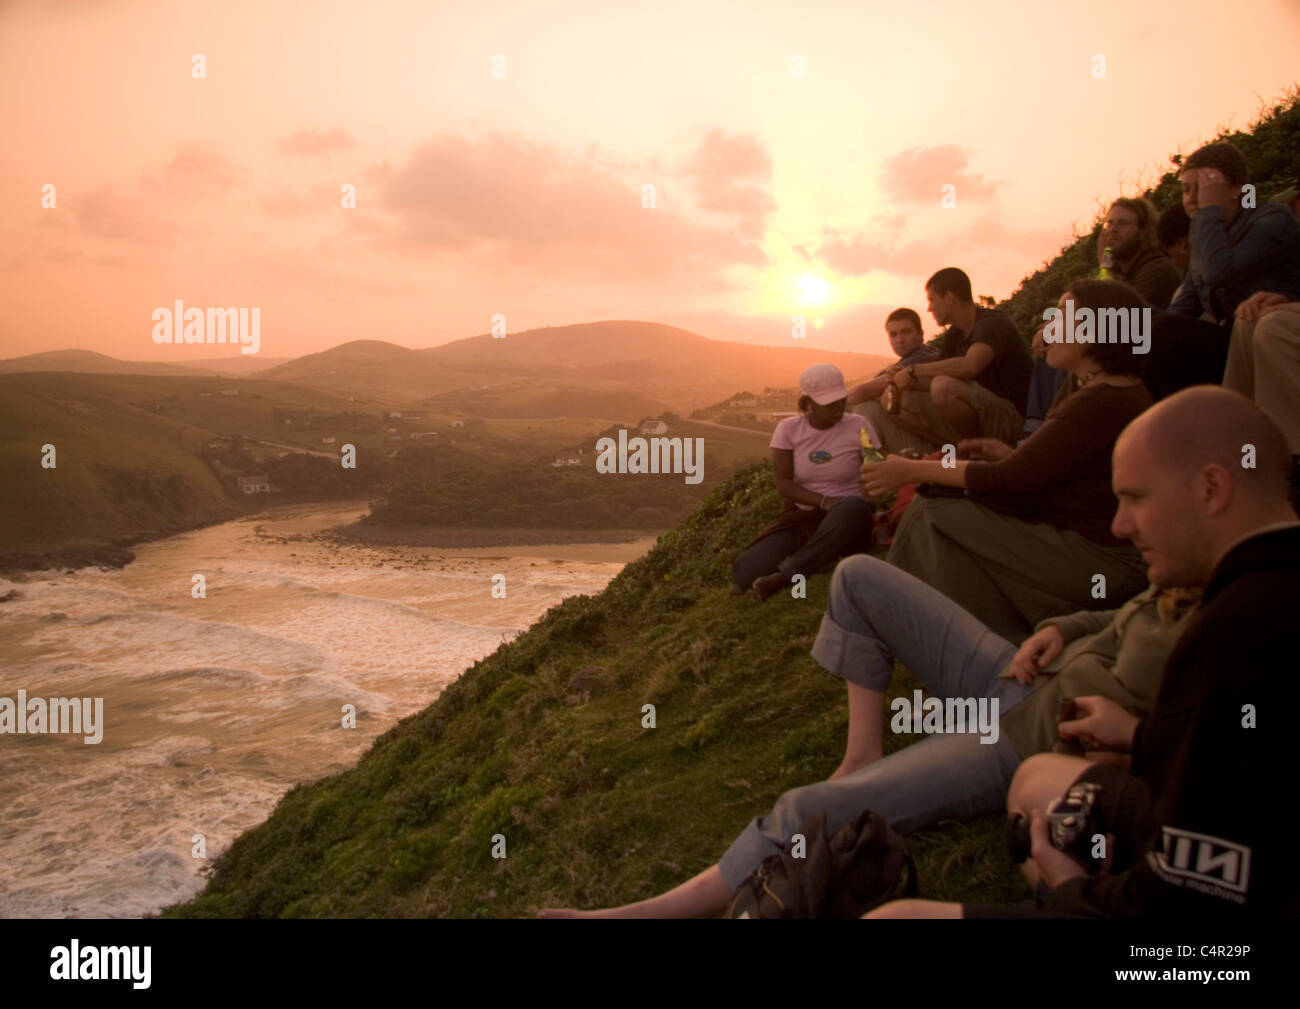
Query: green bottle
column 1107, row 271
column 872, row 454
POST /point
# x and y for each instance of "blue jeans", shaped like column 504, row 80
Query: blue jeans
column 877, row 613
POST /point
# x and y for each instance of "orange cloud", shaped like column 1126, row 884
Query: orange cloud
column 528, row 204
column 720, row 169
column 195, row 171
column 986, row 248
column 918, row 175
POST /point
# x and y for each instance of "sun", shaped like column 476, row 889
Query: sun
column 814, row 290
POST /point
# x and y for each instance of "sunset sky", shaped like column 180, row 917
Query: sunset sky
column 477, row 195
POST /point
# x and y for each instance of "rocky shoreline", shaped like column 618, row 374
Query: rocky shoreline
column 65, row 558
column 469, row 537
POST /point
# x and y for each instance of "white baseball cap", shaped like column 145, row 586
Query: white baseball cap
column 823, row 384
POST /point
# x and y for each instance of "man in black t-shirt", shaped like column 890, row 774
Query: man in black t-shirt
column 978, row 386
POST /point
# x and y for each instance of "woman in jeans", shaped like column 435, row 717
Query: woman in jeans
column 876, row 615
column 815, row 463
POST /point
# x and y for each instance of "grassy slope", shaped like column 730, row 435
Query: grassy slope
column 542, row 742
column 121, row 472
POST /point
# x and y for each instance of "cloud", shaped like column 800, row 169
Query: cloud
column 535, row 206
column 918, row 175
column 196, row 170
column 729, row 174
column 986, row 249
column 110, row 213
column 314, row 142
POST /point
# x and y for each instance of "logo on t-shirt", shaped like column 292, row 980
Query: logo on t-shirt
column 819, row 456
column 1202, row 862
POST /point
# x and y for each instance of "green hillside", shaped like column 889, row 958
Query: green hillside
column 122, row 473
column 543, row 742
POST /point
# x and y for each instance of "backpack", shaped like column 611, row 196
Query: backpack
column 863, row 865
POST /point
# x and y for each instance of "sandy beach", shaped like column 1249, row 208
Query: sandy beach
column 601, row 545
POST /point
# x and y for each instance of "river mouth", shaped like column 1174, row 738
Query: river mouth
column 222, row 691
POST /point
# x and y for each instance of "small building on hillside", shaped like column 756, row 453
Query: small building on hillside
column 655, row 426
column 260, row 484
column 423, row 435
column 567, row 459
column 744, row 399
column 782, row 415
column 327, row 440
column 457, row 423
column 230, row 392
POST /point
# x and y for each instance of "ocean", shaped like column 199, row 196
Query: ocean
column 214, row 707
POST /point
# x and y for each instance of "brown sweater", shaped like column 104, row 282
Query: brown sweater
column 1061, row 473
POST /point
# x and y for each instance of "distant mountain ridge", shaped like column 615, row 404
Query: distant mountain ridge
column 91, row 362
column 653, row 366
column 590, row 369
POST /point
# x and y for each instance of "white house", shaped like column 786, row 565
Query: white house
column 654, row 427
column 567, row 459
column 327, row 440
column 255, row 484
column 457, row 423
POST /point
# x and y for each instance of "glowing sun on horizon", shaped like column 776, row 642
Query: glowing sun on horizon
column 814, row 291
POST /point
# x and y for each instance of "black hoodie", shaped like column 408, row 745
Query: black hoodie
column 1223, row 796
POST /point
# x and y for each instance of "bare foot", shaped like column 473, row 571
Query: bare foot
column 770, row 584
column 571, row 912
column 564, row 912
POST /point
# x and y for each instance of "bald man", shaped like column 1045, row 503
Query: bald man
column 1201, row 823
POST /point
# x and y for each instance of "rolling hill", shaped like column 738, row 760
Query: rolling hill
column 579, row 370
column 89, row 362
column 121, row 473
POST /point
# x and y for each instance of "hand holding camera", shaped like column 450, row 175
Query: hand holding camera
column 1061, row 842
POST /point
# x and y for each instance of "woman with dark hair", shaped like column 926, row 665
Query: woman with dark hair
column 815, row 460
column 1024, row 534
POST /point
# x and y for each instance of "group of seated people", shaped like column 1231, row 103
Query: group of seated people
column 1138, row 552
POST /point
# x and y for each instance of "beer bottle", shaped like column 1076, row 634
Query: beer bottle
column 1107, row 271
column 872, row 454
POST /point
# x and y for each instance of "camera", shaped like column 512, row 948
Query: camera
column 1072, row 820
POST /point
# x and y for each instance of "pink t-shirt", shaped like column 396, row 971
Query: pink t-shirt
column 825, row 462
